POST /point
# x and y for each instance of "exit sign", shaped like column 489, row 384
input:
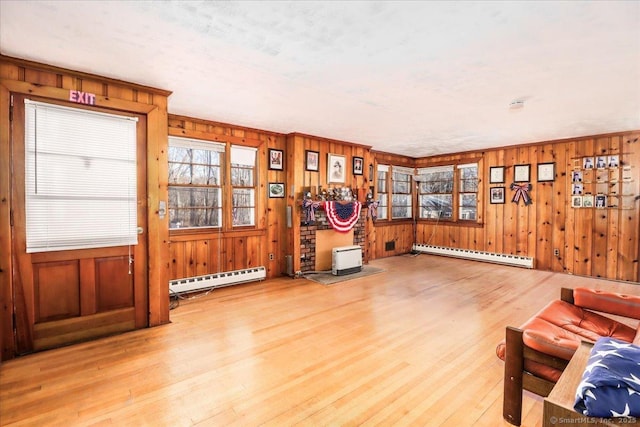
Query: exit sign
column 82, row 97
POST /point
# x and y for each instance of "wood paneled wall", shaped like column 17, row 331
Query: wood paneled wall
column 45, row 82
column 590, row 242
column 194, row 252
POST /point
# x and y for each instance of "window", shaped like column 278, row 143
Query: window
column 441, row 185
column 80, row 178
column 195, row 184
column 468, row 191
column 383, row 192
column 401, row 196
column 435, row 192
column 243, row 165
column 197, row 189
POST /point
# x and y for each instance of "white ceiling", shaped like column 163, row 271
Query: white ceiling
column 412, row 78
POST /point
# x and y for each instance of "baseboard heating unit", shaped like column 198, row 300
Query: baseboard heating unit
column 514, row 260
column 346, row 260
column 218, row 280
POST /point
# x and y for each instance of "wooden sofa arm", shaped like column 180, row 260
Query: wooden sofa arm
column 608, row 302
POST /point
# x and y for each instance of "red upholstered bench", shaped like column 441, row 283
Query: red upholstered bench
column 537, row 352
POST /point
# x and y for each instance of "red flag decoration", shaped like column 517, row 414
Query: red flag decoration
column 342, row 216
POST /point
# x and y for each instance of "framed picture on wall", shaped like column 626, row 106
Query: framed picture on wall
column 276, row 159
column 497, row 195
column 496, row 175
column 312, row 162
column 576, row 201
column 336, row 168
column 276, row 189
column 546, row 172
column 521, row 173
column 358, row 166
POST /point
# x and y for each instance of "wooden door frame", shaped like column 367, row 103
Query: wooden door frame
column 157, row 226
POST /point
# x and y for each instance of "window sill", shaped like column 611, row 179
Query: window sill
column 186, row 233
column 458, row 223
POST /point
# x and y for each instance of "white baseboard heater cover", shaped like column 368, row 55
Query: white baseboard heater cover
column 514, row 260
column 346, row 260
column 217, row 280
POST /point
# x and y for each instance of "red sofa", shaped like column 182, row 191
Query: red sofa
column 536, row 353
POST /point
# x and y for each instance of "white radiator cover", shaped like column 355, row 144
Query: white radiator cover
column 514, row 260
column 346, row 260
column 218, row 280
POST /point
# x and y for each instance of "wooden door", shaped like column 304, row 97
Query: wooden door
column 68, row 296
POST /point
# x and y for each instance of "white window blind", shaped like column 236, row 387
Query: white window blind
column 196, row 144
column 245, row 156
column 80, row 178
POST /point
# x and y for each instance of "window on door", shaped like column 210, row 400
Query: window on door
column 80, row 178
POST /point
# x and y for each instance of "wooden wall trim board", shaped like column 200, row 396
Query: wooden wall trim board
column 6, row 283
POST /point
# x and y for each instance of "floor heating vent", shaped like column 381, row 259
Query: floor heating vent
column 514, row 260
column 218, row 280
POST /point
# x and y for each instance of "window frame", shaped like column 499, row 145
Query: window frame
column 196, row 144
column 408, row 172
column 252, row 188
column 383, row 202
column 457, row 192
column 225, row 187
column 386, row 210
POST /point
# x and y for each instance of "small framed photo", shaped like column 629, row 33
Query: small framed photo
column 601, row 201
column 546, row 172
column 587, row 201
column 576, row 176
column 496, row 175
column 497, row 195
column 587, row 163
column 336, row 168
column 312, row 162
column 276, row 190
column 601, row 162
column 576, row 189
column 358, row 166
column 521, row 173
column 576, row 201
column 276, row 159
column 614, row 161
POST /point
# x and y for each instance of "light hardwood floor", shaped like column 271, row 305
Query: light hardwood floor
column 414, row 345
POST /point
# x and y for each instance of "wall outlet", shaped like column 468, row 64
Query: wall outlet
column 556, row 252
column 270, row 257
